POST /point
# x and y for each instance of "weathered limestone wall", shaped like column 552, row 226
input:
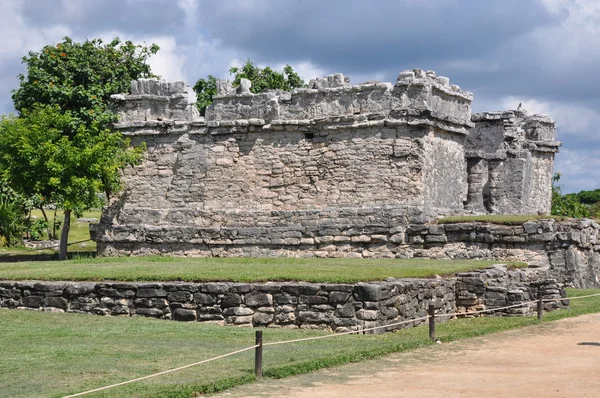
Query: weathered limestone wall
column 510, row 157
column 287, row 168
column 568, row 251
column 337, row 307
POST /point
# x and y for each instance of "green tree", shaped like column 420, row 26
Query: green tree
column 63, row 149
column 12, row 215
column 566, row 205
column 40, row 155
column 589, row 197
column 81, row 77
column 262, row 79
column 205, row 90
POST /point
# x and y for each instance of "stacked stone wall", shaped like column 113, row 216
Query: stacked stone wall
column 336, row 307
column 568, row 251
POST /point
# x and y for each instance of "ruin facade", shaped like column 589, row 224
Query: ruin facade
column 332, row 170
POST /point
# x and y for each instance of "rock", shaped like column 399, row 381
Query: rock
column 261, row 318
column 368, row 292
column 231, row 300
column 151, row 312
column 57, row 302
column 182, row 314
column 33, row 301
column 244, row 87
column 151, row 292
column 238, row 311
column 259, row 300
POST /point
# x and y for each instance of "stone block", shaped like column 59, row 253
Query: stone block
column 259, row 300
column 150, row 312
column 313, row 300
column 368, row 292
column 367, row 315
column 182, row 314
column 151, row 293
column 346, row 311
column 57, row 302
column 205, row 299
column 231, row 300
column 33, row 301
column 262, row 318
column 339, row 297
column 238, row 311
column 180, row 296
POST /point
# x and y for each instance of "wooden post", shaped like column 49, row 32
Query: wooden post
column 540, row 305
column 258, row 354
column 431, row 312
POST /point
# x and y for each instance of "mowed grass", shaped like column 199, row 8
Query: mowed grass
column 52, row 355
column 235, row 269
column 497, row 219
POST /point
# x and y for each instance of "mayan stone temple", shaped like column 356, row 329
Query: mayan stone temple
column 338, row 170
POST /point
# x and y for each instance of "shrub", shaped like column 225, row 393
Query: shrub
column 12, row 222
column 566, row 205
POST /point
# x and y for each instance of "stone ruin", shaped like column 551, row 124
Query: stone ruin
column 336, row 170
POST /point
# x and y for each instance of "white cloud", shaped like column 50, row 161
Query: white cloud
column 18, row 36
column 305, row 69
column 170, row 59
column 579, row 169
column 574, row 42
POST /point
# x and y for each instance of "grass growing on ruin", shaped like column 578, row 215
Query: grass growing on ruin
column 234, row 269
column 53, row 355
column 497, row 219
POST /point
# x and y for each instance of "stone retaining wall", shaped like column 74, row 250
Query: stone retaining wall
column 336, row 307
column 568, row 251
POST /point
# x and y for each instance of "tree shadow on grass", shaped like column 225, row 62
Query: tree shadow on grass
column 20, row 257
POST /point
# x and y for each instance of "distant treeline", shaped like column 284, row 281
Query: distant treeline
column 588, row 197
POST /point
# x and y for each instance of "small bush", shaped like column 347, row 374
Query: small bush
column 12, row 222
column 566, row 205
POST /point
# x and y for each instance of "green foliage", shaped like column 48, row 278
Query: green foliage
column 589, row 197
column 36, row 228
column 262, row 79
column 12, row 222
column 205, row 91
column 595, row 210
column 566, row 205
column 81, row 77
column 38, row 158
column 60, row 147
column 266, row 78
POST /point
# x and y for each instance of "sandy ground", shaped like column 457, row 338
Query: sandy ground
column 556, row 359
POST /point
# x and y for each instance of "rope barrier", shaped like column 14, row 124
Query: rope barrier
column 160, row 373
column 345, row 333
column 324, row 337
column 572, row 298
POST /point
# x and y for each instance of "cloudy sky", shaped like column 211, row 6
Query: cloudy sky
column 544, row 54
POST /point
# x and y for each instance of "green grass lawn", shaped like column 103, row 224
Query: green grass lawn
column 497, row 219
column 52, row 355
column 235, row 269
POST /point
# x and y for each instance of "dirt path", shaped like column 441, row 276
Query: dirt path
column 556, row 359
